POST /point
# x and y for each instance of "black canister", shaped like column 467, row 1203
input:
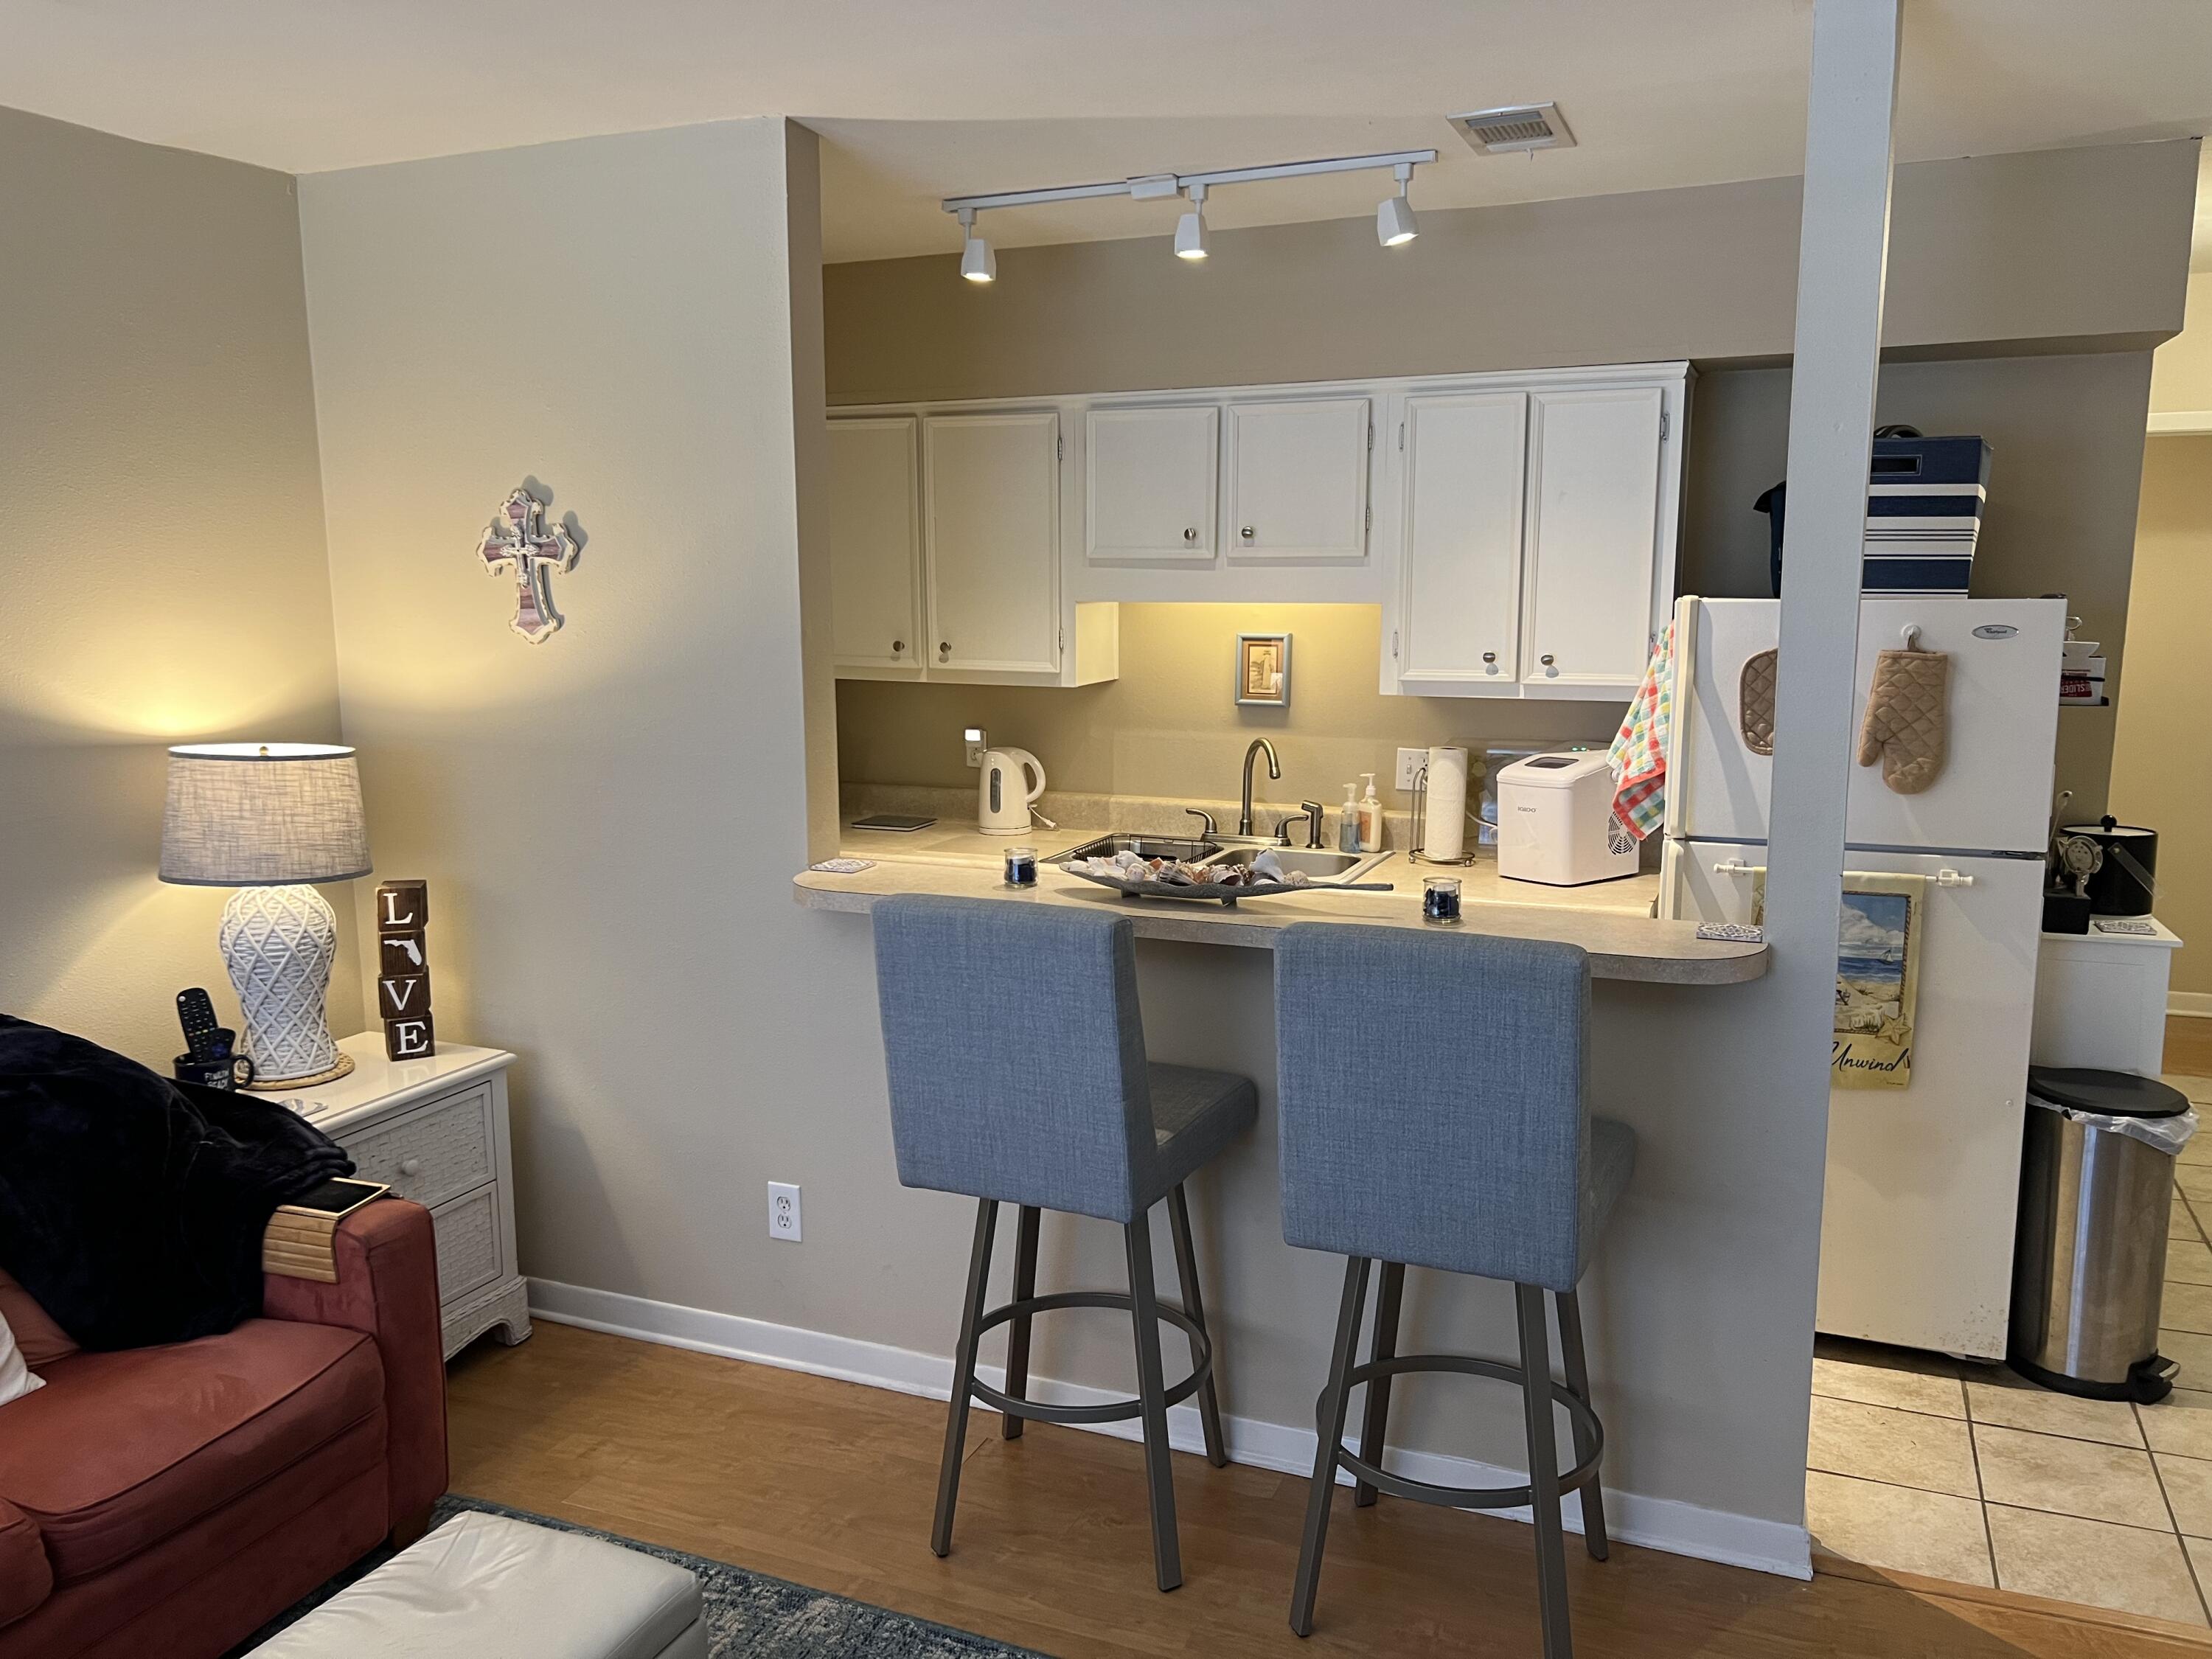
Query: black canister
column 2126, row 883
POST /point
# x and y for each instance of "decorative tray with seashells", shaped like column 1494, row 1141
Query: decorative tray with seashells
column 1139, row 877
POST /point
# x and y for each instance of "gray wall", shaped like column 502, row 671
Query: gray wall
column 162, row 561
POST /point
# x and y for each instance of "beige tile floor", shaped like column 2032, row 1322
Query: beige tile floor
column 1917, row 1463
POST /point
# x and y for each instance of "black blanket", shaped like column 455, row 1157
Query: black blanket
column 130, row 1206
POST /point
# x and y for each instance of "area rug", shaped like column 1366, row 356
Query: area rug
column 747, row 1612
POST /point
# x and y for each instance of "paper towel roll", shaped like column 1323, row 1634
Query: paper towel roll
column 1443, row 828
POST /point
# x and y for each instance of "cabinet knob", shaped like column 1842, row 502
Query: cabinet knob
column 897, row 646
column 1490, row 656
column 410, row 1166
column 1190, row 535
column 944, row 650
column 1546, row 659
column 1246, row 532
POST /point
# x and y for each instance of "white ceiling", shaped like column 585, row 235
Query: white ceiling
column 919, row 99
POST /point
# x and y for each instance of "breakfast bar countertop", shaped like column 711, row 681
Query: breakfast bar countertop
column 1612, row 921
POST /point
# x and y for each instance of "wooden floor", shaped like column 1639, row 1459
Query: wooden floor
column 2189, row 1045
column 830, row 1483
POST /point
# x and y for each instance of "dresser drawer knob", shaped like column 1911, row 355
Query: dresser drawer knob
column 410, row 1166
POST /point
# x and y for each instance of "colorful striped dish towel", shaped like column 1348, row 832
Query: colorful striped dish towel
column 1638, row 755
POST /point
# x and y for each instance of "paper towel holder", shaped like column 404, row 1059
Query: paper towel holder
column 1415, row 853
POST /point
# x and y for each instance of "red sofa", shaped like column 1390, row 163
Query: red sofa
column 169, row 1501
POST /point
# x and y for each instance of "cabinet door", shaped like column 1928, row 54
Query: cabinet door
column 1459, row 591
column 1593, row 538
column 875, row 543
column 1151, row 483
column 1298, row 480
column 993, row 563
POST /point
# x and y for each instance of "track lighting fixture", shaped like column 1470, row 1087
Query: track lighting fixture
column 1394, row 220
column 977, row 263
column 1395, row 225
column 1190, row 230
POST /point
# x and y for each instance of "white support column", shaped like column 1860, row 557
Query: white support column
column 1843, row 250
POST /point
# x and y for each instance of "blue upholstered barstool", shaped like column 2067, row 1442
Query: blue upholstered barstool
column 1440, row 1121
column 1017, row 1076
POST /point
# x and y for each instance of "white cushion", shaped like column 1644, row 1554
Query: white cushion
column 487, row 1587
column 16, row 1379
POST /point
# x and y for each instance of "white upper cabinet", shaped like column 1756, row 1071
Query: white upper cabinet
column 1589, row 588
column 1460, row 576
column 875, row 545
column 1150, row 477
column 991, row 508
column 1298, row 480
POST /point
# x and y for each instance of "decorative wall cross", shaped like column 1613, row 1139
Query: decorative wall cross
column 518, row 538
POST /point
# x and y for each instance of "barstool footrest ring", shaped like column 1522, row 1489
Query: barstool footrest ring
column 1112, row 1411
column 1461, row 1497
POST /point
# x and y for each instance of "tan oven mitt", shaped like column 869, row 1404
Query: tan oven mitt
column 1755, row 711
column 1905, row 723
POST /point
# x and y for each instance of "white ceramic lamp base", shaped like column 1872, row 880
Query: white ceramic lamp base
column 278, row 944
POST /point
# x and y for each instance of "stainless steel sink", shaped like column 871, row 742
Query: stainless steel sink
column 1145, row 847
column 1320, row 865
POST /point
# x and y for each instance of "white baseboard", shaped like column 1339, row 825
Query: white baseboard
column 1662, row 1523
column 2195, row 1004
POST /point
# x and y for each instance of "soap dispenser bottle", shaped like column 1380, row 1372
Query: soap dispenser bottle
column 1370, row 818
column 1347, row 823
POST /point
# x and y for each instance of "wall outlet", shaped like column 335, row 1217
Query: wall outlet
column 1409, row 763
column 783, row 1211
column 973, row 737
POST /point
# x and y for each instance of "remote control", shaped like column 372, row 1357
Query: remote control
column 196, row 1013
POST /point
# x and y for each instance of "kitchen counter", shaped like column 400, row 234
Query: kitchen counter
column 1612, row 921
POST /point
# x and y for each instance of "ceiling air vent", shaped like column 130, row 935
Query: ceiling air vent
column 1523, row 126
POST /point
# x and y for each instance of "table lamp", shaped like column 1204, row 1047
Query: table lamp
column 267, row 819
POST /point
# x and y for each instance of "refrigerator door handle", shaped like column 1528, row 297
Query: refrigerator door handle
column 1947, row 878
column 1738, row 867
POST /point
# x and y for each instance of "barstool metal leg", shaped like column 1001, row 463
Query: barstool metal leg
column 1543, row 1472
column 1374, row 1431
column 1570, row 1307
column 1335, row 1401
column 1152, row 1389
column 1017, row 1336
column 1194, row 1303
column 963, row 1376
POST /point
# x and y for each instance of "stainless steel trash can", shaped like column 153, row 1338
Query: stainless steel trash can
column 2089, row 1257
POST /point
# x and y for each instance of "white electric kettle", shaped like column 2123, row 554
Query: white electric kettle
column 1002, row 801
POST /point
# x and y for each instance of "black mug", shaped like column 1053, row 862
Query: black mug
column 220, row 1070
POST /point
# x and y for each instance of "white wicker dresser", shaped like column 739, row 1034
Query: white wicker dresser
column 434, row 1130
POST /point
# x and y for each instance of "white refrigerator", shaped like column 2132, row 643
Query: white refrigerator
column 1923, row 1181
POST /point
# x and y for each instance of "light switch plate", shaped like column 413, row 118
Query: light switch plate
column 1409, row 763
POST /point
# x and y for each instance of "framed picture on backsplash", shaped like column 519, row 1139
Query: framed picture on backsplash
column 1263, row 670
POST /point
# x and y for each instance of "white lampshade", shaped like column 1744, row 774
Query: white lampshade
column 263, row 814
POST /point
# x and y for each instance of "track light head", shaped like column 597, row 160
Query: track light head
column 1394, row 224
column 977, row 263
column 1190, row 230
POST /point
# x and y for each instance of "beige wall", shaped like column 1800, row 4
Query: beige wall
column 163, row 559
column 2159, row 775
column 2181, row 371
column 609, row 821
column 1169, row 726
column 2066, row 436
column 1985, row 254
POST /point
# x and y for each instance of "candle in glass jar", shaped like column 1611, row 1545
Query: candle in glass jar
column 1440, row 899
column 1021, row 866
